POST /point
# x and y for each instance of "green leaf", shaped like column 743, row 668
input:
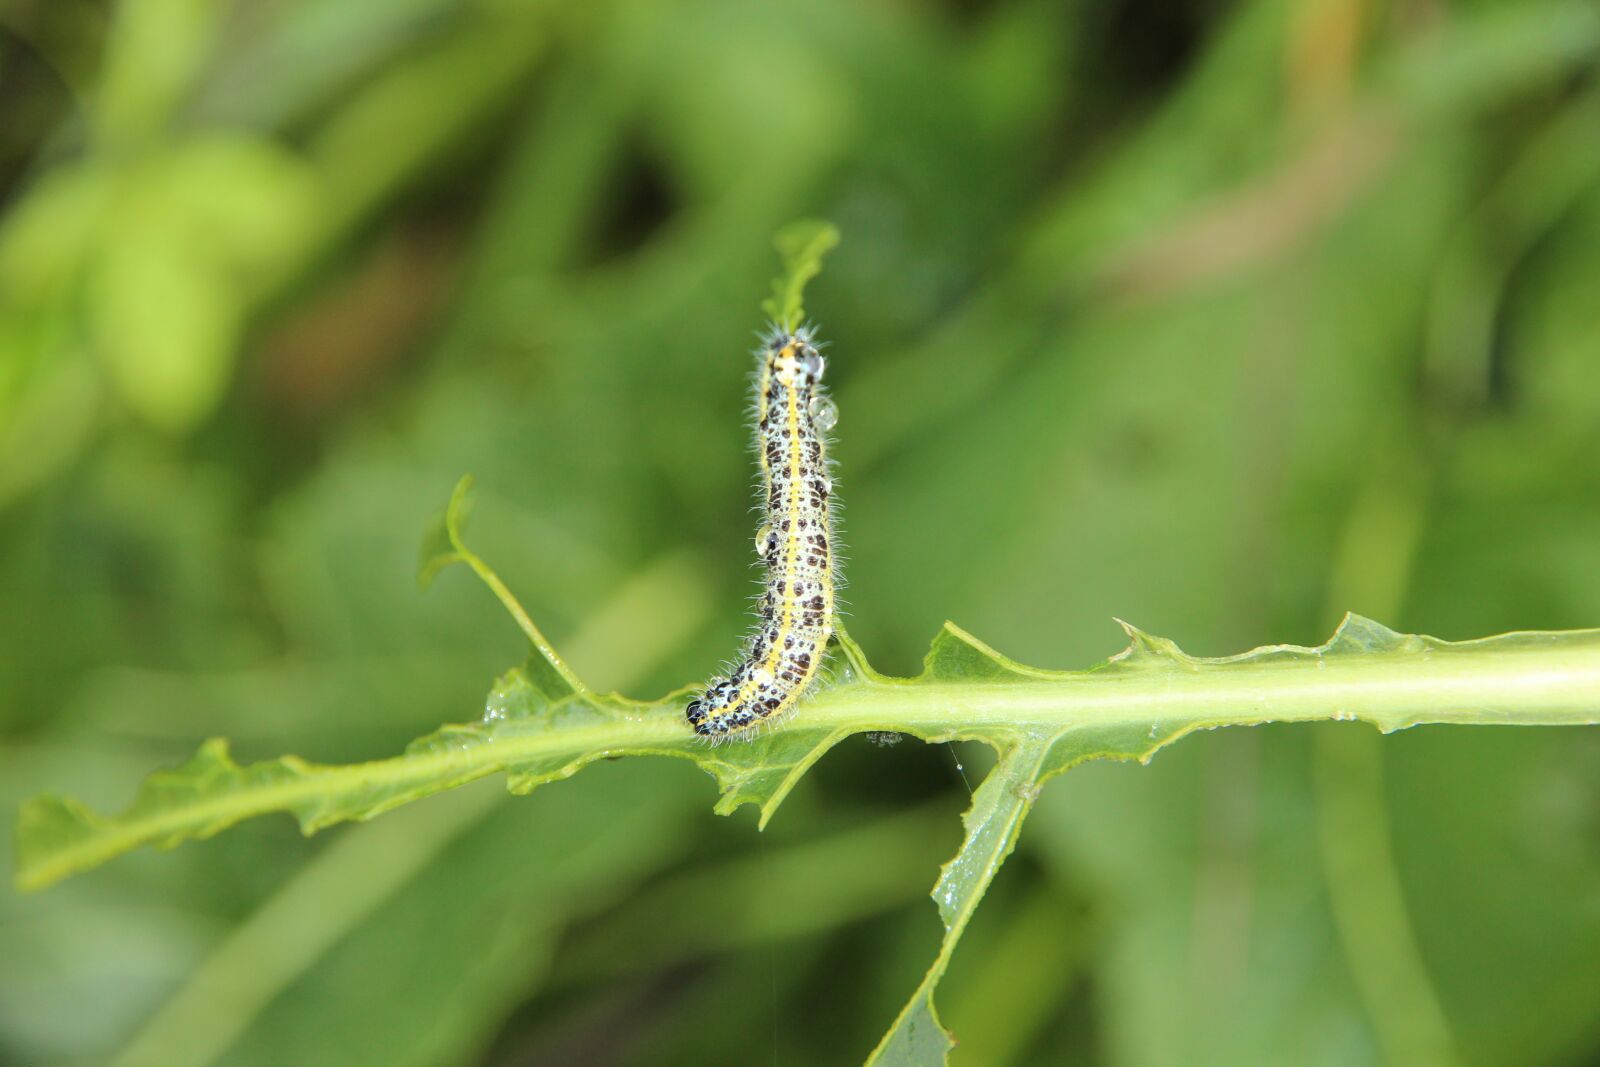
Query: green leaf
column 154, row 52
column 802, row 246
column 992, row 824
column 197, row 233
column 165, row 322
column 542, row 724
column 440, row 546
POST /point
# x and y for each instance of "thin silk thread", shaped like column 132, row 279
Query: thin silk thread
column 795, row 543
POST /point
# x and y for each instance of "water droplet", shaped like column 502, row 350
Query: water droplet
column 824, row 413
column 495, row 709
column 763, row 535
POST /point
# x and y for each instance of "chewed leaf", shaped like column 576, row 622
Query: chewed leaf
column 532, row 733
column 848, row 658
column 992, row 824
column 1153, row 692
column 1145, row 649
column 1357, row 634
column 802, row 246
column 541, row 723
column 956, row 654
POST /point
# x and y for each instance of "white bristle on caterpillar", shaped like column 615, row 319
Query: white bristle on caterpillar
column 794, row 542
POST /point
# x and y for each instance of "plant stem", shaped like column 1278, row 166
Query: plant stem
column 1127, row 708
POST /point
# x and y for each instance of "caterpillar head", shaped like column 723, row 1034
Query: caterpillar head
column 795, row 358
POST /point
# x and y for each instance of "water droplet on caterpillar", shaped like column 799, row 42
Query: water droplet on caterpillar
column 824, row 413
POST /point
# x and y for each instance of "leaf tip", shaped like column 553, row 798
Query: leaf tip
column 460, row 504
column 1357, row 633
column 855, row 659
column 802, row 245
column 957, row 654
column 1145, row 646
column 442, row 545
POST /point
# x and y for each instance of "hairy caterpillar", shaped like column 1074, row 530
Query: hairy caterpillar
column 782, row 657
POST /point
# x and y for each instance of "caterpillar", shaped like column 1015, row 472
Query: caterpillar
column 795, row 542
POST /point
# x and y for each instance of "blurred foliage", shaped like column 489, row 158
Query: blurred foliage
column 1222, row 317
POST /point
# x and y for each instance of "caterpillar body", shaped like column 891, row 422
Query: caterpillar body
column 795, row 543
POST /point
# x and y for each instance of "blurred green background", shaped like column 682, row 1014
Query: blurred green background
column 1219, row 317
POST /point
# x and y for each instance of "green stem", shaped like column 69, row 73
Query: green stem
column 1128, row 708
column 455, row 516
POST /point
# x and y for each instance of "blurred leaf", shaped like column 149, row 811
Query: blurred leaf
column 472, row 884
column 802, row 246
column 51, row 421
column 155, row 50
column 167, row 252
column 414, row 112
column 48, row 391
column 165, row 323
column 250, row 206
column 294, row 56
column 47, row 234
column 1505, row 48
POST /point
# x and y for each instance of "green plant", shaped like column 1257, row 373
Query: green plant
column 543, row 723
